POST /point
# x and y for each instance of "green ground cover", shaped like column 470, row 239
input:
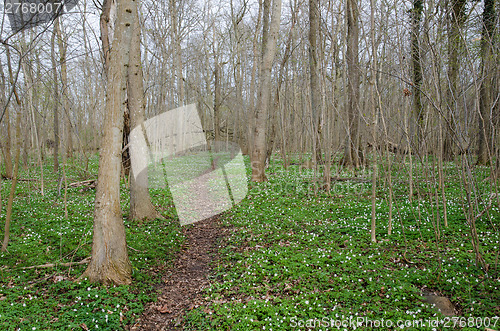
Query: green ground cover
column 294, row 256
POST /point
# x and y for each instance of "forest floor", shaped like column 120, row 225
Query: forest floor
column 184, row 283
column 289, row 256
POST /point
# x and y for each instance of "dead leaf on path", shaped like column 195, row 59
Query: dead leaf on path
column 164, row 310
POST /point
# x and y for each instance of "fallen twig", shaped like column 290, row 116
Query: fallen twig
column 90, row 182
column 354, row 179
column 52, row 265
column 20, row 179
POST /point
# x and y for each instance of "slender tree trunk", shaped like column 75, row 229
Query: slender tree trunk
column 141, row 207
column 351, row 154
column 486, row 92
column 6, row 143
column 29, row 81
column 174, row 16
column 10, row 202
column 7, row 150
column 455, row 45
column 269, row 38
column 374, row 104
column 110, row 262
column 418, row 111
column 68, row 141
column 315, row 85
column 56, row 98
column 217, row 102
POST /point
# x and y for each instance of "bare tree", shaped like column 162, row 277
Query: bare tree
column 110, row 262
column 269, row 38
column 56, row 98
column 455, row 45
column 141, row 207
column 486, row 93
column 10, row 202
column 351, row 154
column 63, row 45
column 315, row 86
column 174, row 28
column 418, row 110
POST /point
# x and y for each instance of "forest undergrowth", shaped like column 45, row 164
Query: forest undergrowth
column 296, row 254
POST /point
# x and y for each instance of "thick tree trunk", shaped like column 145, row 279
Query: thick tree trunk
column 141, row 207
column 251, row 94
column 110, row 262
column 269, row 38
column 351, row 154
column 486, row 92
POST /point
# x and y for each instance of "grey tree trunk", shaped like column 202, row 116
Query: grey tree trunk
column 107, row 22
column 269, row 38
column 6, row 142
column 68, row 143
column 141, row 207
column 486, row 92
column 217, row 102
column 174, row 15
column 417, row 70
column 351, row 154
column 110, row 262
column 455, row 45
column 10, row 202
column 56, row 98
column 316, row 101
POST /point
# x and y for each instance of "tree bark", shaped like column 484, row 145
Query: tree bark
column 110, row 262
column 56, row 98
column 5, row 148
column 417, row 70
column 174, row 15
column 217, row 102
column 107, row 22
column 64, row 89
column 141, row 207
column 10, row 202
column 455, row 45
column 486, row 92
column 269, row 38
column 351, row 154
column 316, row 100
